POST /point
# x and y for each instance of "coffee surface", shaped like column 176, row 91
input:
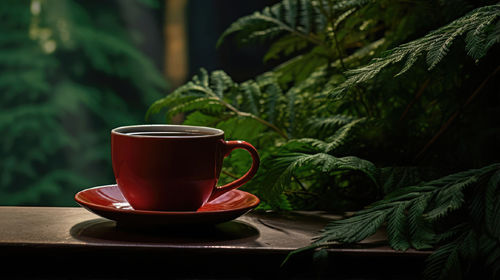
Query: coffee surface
column 168, row 133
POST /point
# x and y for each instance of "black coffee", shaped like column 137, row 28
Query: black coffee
column 168, row 133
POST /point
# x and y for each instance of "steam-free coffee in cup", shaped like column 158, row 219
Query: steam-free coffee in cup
column 171, row 167
column 171, row 133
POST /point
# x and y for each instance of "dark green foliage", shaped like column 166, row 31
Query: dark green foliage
column 262, row 113
column 65, row 73
column 397, row 228
column 419, row 217
column 370, row 105
column 478, row 25
column 290, row 16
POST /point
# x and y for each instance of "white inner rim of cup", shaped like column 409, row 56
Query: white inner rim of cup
column 152, row 128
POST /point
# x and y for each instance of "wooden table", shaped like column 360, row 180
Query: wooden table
column 55, row 242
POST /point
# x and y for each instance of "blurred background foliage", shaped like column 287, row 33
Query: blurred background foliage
column 70, row 72
column 73, row 70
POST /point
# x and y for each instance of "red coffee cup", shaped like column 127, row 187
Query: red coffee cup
column 173, row 167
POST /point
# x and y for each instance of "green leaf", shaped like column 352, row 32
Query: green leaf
column 274, row 94
column 397, row 228
column 353, row 229
column 328, row 123
column 285, row 46
column 492, row 208
column 199, row 119
column 207, row 105
column 340, row 136
column 476, row 39
column 221, row 82
column 421, row 236
column 450, row 198
column 444, row 263
column 282, row 167
column 252, row 92
column 241, row 128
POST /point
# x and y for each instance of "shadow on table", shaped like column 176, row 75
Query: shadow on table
column 106, row 231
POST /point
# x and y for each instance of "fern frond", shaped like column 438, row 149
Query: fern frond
column 337, row 139
column 205, row 92
column 216, row 94
column 287, row 17
column 343, row 124
column 202, row 78
column 306, row 145
column 185, row 93
column 209, row 105
column 349, row 4
column 173, row 100
column 317, row 77
column 492, row 190
column 489, row 248
column 475, row 41
column 492, row 205
column 436, row 44
column 459, row 177
column 410, row 207
column 292, row 7
column 324, row 163
column 281, row 168
column 341, row 135
column 441, row 46
column 220, row 82
column 327, row 123
column 420, row 235
column 442, row 261
column 450, row 199
column 342, row 17
column 252, row 92
column 274, row 93
column 397, row 227
column 493, row 36
column 307, row 15
column 292, row 100
column 353, row 229
column 268, row 83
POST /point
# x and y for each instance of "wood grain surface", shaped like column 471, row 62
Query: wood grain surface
column 74, row 243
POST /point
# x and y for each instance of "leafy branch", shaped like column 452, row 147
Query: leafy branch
column 476, row 24
column 414, row 217
column 278, row 19
column 309, row 154
column 213, row 90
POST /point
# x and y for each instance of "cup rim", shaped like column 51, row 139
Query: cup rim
column 124, row 130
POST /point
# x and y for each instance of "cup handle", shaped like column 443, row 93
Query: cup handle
column 229, row 146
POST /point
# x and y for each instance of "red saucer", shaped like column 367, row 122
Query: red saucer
column 108, row 202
